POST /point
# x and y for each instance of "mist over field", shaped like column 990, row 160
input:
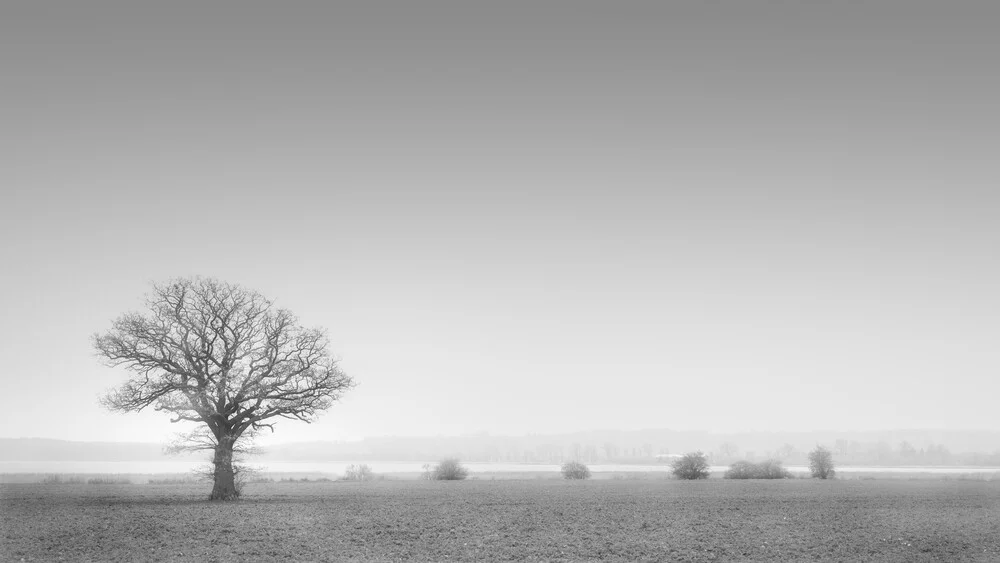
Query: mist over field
column 893, row 448
column 533, row 280
column 518, row 217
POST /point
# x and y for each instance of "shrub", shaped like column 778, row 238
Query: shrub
column 742, row 470
column 821, row 463
column 175, row 480
column 358, row 473
column 449, row 469
column 693, row 465
column 575, row 470
column 57, row 479
column 109, row 481
column 100, row 481
column 770, row 469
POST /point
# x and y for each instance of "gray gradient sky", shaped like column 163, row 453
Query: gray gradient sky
column 519, row 216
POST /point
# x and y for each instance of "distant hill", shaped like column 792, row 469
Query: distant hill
column 636, row 446
column 45, row 449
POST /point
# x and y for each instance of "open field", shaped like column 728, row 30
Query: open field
column 550, row 520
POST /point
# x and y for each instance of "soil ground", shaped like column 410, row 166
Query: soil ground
column 507, row 520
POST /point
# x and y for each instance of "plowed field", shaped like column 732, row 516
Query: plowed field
column 535, row 520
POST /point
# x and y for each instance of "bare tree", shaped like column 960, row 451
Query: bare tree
column 842, row 447
column 729, row 450
column 786, row 451
column 223, row 356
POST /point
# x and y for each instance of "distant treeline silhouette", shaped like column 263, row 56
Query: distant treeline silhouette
column 623, row 447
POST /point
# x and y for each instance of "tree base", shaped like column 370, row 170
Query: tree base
column 224, row 496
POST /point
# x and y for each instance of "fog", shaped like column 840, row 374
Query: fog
column 529, row 218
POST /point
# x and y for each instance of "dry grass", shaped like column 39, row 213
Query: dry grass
column 539, row 520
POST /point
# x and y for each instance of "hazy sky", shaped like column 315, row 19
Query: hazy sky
column 522, row 216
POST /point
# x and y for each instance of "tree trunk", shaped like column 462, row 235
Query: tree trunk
column 225, row 477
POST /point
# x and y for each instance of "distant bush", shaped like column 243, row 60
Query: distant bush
column 821, row 463
column 770, row 469
column 742, row 470
column 361, row 472
column 575, row 470
column 56, row 479
column 635, row 476
column 175, row 480
column 693, row 465
column 449, row 469
column 109, row 480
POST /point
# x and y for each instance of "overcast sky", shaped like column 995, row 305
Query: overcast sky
column 529, row 217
